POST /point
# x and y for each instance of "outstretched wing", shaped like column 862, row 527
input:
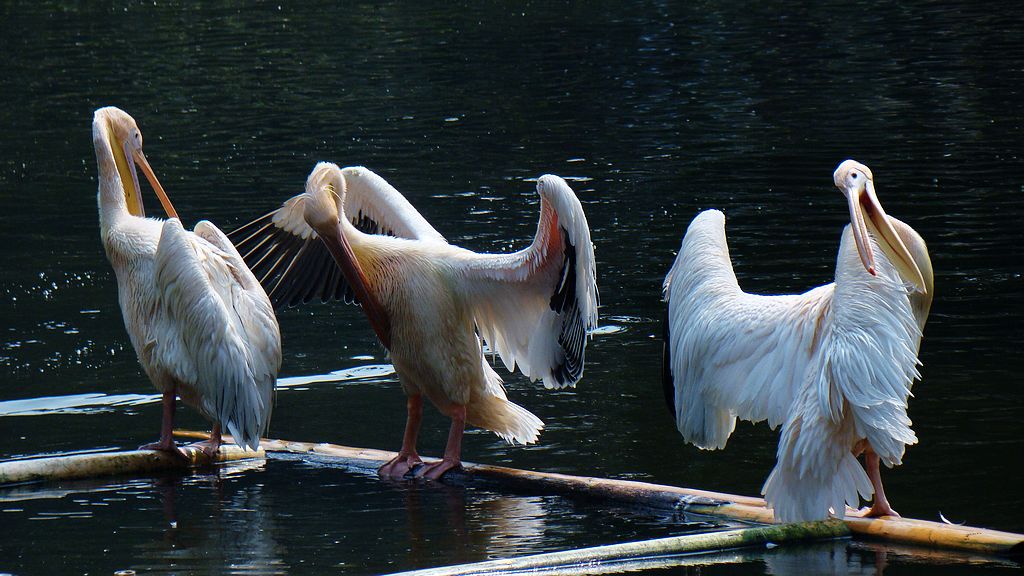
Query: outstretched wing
column 731, row 354
column 291, row 263
column 534, row 307
column 215, row 330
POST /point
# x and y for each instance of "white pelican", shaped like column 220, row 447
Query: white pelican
column 202, row 326
column 430, row 303
column 833, row 365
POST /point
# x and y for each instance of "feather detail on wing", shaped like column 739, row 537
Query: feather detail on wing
column 872, row 361
column 288, row 259
column 369, row 198
column 815, row 472
column 732, row 354
column 215, row 329
column 490, row 409
column 856, row 387
column 535, row 307
column 254, row 311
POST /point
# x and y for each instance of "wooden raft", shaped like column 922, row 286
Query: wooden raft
column 662, row 497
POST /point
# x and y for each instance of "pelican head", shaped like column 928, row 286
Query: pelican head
column 114, row 129
column 866, row 213
column 325, row 189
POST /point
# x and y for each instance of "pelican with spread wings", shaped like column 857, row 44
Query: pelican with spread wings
column 833, row 366
column 202, row 326
column 353, row 236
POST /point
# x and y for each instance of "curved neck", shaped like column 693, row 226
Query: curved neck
column 355, row 275
column 111, row 195
column 346, row 225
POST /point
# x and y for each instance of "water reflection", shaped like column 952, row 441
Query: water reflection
column 475, row 529
column 836, row 559
column 239, row 535
column 96, row 402
column 170, row 524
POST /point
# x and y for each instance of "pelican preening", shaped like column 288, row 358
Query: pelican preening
column 201, row 325
column 431, row 303
column 834, row 365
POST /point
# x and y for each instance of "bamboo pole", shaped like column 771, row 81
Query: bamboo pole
column 702, row 502
column 938, row 535
column 113, row 463
column 597, row 559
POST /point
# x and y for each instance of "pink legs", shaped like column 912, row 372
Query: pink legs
column 166, row 442
column 407, row 458
column 880, row 505
column 211, row 446
column 452, row 452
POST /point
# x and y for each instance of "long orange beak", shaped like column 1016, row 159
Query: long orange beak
column 866, row 213
column 140, row 159
column 339, row 247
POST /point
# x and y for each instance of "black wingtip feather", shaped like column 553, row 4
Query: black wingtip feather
column 291, row 269
column 294, row 270
column 573, row 336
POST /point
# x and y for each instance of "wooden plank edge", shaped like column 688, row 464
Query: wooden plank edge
column 97, row 464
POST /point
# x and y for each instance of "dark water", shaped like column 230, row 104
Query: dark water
column 656, row 110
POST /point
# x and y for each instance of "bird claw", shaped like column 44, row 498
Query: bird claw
column 875, row 511
column 435, row 470
column 169, row 448
column 399, row 466
column 207, row 447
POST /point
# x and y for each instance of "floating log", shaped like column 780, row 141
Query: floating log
column 702, row 502
column 596, row 560
column 97, row 464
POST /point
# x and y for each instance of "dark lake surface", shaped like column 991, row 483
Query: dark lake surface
column 652, row 110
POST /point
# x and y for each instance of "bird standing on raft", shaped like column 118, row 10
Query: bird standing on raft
column 834, row 365
column 431, row 303
column 200, row 323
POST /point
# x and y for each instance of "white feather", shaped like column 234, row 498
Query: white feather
column 214, row 330
column 832, row 366
column 511, row 294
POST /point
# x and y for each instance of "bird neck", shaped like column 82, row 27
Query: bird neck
column 363, row 275
column 347, row 227
column 111, row 195
column 357, row 239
